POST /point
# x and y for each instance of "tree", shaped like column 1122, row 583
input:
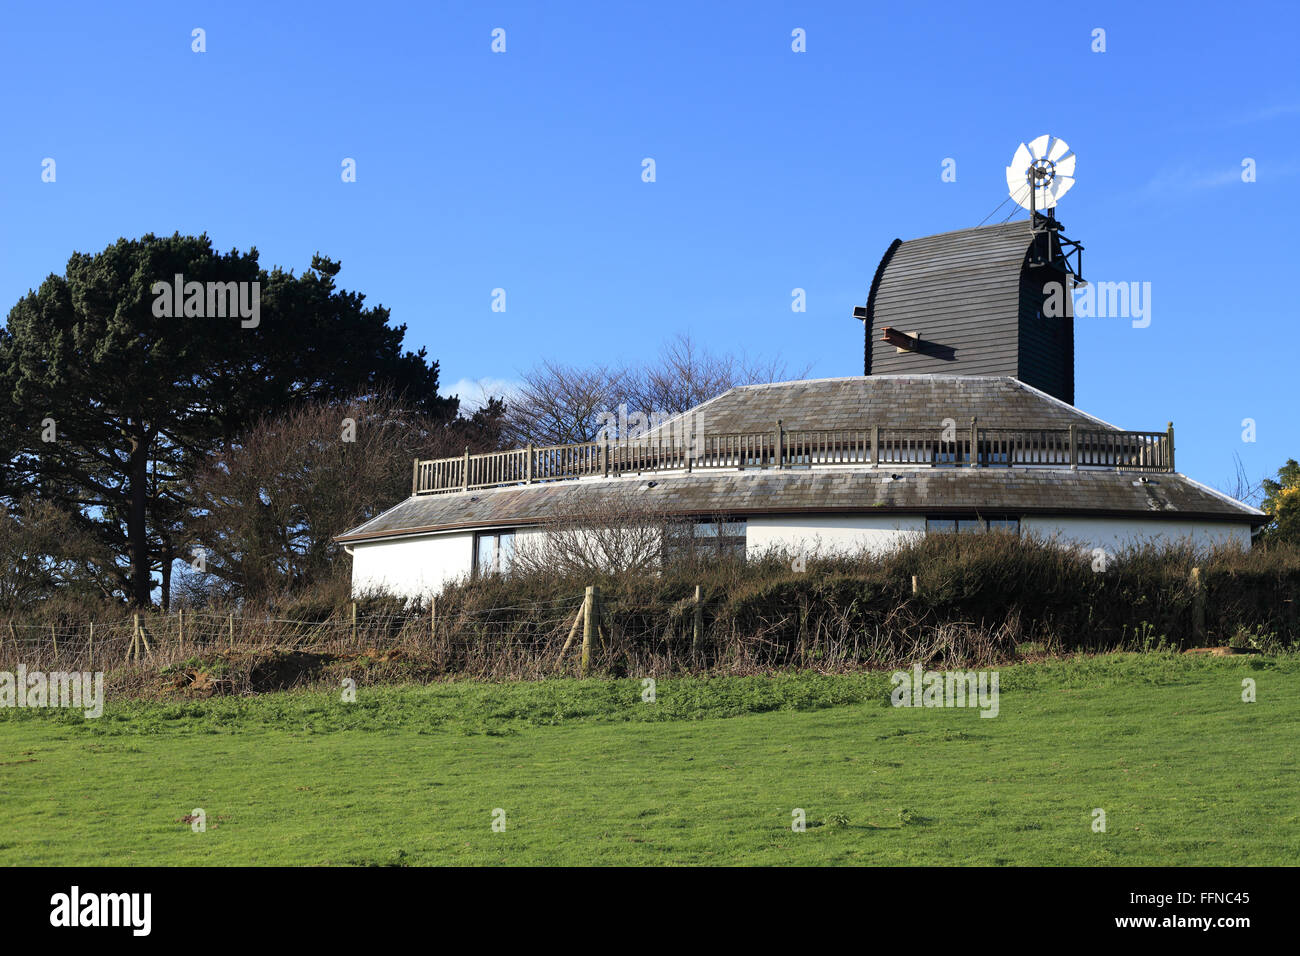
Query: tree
column 43, row 549
column 112, row 397
column 564, row 404
column 1282, row 503
column 686, row 375
column 559, row 404
column 272, row 503
column 619, row 531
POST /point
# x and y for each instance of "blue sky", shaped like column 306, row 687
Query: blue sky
column 775, row 170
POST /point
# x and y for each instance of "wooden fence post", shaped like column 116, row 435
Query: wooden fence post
column 573, row 631
column 1198, row 608
column 180, row 627
column 528, row 467
column 415, row 477
column 464, row 478
column 92, row 645
column 974, row 444
column 433, row 620
column 803, row 622
column 588, row 627
column 1074, row 448
column 875, row 445
column 354, row 622
column 230, row 642
column 697, row 620
column 1171, row 447
column 916, row 585
column 780, row 451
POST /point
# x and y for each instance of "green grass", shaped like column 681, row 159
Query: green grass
column 588, row 774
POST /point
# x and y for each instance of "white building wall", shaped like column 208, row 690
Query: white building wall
column 419, row 567
column 412, row 567
column 1114, row 534
column 877, row 533
column 527, row 538
column 828, row 534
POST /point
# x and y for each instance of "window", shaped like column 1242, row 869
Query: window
column 494, row 552
column 971, row 525
column 701, row 540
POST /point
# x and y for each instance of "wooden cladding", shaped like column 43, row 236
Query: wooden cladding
column 972, row 302
column 957, row 446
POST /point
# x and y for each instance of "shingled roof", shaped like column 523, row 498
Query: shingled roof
column 890, row 401
column 932, row 491
column 911, row 401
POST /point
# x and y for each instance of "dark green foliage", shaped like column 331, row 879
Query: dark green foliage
column 139, row 399
column 1282, row 503
column 1257, row 592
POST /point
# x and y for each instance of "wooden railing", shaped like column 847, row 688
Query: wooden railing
column 1072, row 447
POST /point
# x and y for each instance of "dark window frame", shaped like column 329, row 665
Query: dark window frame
column 496, row 535
column 982, row 524
column 730, row 538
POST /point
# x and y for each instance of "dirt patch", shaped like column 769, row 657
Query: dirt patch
column 194, row 682
column 283, row 669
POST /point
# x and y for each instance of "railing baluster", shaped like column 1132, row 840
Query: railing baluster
column 1104, row 448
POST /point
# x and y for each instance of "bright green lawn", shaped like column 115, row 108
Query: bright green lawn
column 587, row 773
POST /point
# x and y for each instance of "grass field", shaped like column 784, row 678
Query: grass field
column 587, row 773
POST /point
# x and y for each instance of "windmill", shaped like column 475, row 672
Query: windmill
column 1041, row 172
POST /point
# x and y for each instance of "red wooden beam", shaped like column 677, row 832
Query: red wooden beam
column 900, row 339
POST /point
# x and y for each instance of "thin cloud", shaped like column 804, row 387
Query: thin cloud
column 1183, row 179
column 1267, row 113
column 474, row 392
column 1188, row 178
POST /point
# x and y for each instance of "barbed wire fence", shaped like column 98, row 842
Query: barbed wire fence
column 156, row 639
column 571, row 634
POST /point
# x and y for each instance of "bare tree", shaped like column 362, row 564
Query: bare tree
column 619, row 530
column 271, row 504
column 45, row 550
column 1241, row 486
column 686, row 375
column 561, row 404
